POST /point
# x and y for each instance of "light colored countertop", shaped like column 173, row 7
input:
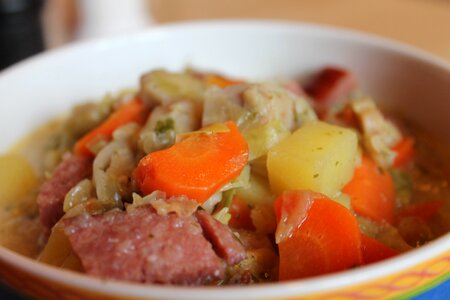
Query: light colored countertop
column 421, row 23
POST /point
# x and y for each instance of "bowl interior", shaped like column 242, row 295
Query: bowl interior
column 414, row 83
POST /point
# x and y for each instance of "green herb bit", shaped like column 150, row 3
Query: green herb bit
column 163, row 126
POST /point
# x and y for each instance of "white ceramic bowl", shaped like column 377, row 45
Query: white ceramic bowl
column 415, row 83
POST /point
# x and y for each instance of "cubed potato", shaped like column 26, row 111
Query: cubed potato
column 318, row 156
column 17, row 178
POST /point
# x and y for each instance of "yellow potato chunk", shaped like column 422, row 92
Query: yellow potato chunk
column 318, row 156
column 17, row 178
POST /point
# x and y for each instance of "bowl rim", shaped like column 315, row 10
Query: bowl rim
column 322, row 284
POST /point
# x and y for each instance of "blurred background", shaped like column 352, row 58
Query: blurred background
column 31, row 26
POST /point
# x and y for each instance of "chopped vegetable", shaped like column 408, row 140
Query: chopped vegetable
column 78, row 194
column 348, row 117
column 261, row 261
column 403, row 187
column 84, row 117
column 263, row 218
column 227, row 197
column 313, row 231
column 372, row 192
column 423, row 210
column 57, row 252
column 113, row 167
column 162, row 87
column 222, row 215
column 294, row 87
column 343, row 199
column 133, row 111
column 221, row 81
column 318, row 156
column 373, row 250
column 257, row 192
column 164, row 125
column 165, row 122
column 268, row 102
column 182, row 206
column 17, row 178
column 240, row 214
column 197, row 166
column 221, row 105
column 262, row 138
column 404, row 152
column 379, row 135
column 210, row 203
column 243, row 180
column 384, row 233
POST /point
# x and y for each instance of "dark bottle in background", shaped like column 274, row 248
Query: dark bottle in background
column 20, row 37
column 20, row 30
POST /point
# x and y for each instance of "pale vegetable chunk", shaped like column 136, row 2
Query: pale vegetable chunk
column 17, row 177
column 20, row 227
column 379, row 134
column 58, row 252
column 261, row 139
column 318, row 156
column 272, row 102
column 162, row 87
column 257, row 192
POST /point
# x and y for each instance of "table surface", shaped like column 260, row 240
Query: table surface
column 421, row 23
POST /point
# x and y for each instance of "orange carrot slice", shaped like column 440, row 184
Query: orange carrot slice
column 221, row 81
column 372, row 192
column 196, row 167
column 423, row 210
column 405, row 152
column 373, row 250
column 133, row 111
column 324, row 238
